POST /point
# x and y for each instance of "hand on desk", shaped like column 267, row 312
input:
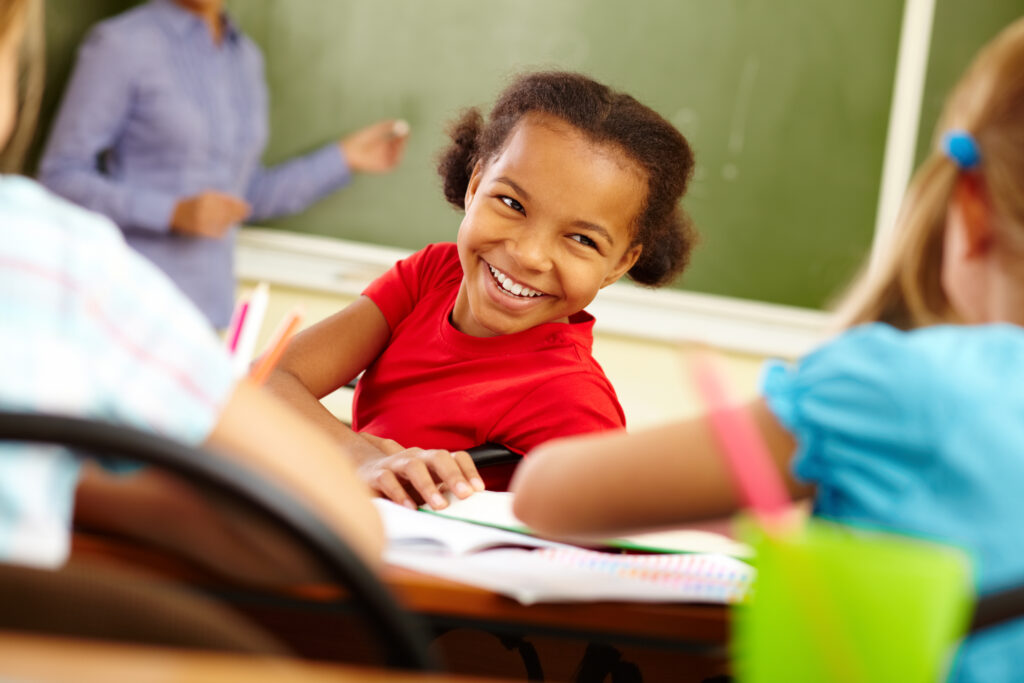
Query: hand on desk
column 378, row 148
column 208, row 214
column 407, row 474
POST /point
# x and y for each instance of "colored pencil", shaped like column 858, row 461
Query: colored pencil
column 235, row 326
column 261, row 370
column 250, row 329
column 750, row 461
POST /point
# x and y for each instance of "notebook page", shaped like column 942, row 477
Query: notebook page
column 494, row 508
column 575, row 575
column 412, row 530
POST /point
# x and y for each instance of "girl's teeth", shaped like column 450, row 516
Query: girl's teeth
column 511, row 287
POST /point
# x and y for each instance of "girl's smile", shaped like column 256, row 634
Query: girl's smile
column 548, row 223
column 510, row 286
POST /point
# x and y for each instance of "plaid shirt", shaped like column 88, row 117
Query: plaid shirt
column 87, row 328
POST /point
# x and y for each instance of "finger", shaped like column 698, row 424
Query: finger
column 417, row 474
column 387, row 483
column 394, row 153
column 215, row 198
column 221, row 223
column 241, row 213
column 391, row 447
column 383, row 128
column 208, row 225
column 449, row 472
column 240, row 206
column 229, row 205
column 465, row 461
column 386, row 446
column 228, row 213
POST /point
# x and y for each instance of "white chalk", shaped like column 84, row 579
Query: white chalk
column 400, row 129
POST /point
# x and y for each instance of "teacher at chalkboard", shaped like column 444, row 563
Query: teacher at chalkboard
column 162, row 128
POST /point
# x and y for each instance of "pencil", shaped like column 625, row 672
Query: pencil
column 268, row 360
column 746, row 454
column 235, row 327
column 761, row 487
column 250, row 328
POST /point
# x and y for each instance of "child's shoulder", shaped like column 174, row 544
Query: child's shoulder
column 940, row 344
column 887, row 355
column 436, row 262
column 439, row 252
column 29, row 208
column 142, row 17
column 969, row 350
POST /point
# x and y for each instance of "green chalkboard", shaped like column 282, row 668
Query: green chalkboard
column 772, row 94
column 785, row 101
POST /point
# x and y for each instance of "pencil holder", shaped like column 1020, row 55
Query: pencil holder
column 843, row 605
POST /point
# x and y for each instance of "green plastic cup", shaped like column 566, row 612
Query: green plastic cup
column 833, row 604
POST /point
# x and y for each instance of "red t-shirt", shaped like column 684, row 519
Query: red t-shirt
column 435, row 387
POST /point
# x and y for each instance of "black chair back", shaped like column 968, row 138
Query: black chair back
column 993, row 609
column 401, row 637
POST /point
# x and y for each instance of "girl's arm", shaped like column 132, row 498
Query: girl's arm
column 329, row 355
column 618, row 482
column 263, row 435
column 275, row 440
column 326, row 357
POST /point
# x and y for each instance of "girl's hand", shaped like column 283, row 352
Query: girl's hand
column 412, row 474
column 385, row 446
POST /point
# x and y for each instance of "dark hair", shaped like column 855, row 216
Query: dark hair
column 605, row 116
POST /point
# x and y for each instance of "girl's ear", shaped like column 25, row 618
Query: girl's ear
column 627, row 261
column 474, row 183
column 970, row 200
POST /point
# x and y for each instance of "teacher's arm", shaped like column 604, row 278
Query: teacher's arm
column 292, row 186
column 93, row 112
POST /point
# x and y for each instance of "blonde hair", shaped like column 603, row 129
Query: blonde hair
column 904, row 288
column 30, row 76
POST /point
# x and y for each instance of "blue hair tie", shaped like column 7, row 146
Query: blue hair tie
column 961, row 148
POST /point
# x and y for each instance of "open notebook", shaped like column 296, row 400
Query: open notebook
column 494, row 509
column 531, row 569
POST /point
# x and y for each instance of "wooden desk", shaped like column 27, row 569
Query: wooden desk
column 696, row 628
column 37, row 658
column 675, row 638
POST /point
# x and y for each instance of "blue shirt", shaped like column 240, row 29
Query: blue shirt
column 88, row 328
column 921, row 433
column 156, row 112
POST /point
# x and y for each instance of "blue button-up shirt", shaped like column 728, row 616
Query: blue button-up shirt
column 156, row 112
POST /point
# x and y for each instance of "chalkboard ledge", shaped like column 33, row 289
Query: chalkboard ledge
column 330, row 265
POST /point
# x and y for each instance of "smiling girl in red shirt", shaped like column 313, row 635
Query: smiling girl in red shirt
column 566, row 187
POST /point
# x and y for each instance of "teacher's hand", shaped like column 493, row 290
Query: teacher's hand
column 208, row 214
column 377, row 148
